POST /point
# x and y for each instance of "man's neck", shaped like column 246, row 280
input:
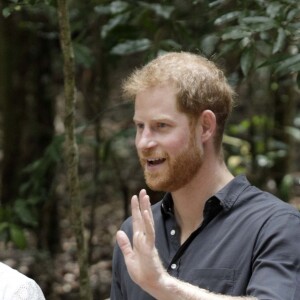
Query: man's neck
column 190, row 200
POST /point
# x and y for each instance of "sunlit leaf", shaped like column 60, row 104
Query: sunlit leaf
column 131, row 46
column 117, row 7
column 6, row 12
column 294, row 132
column 280, row 41
column 273, row 9
column 227, row 18
column 164, row 11
column 263, row 161
column 292, row 14
column 215, row 3
column 113, row 23
column 235, row 34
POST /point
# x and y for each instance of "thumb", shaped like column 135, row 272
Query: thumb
column 124, row 243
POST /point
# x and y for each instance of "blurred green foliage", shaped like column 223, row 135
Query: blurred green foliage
column 257, row 42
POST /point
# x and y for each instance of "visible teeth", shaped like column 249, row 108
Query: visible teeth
column 154, row 159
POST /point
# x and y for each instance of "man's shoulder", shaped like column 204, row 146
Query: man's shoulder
column 262, row 206
column 272, row 202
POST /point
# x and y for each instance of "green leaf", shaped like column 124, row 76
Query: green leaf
column 247, row 61
column 275, row 59
column 227, row 18
column 24, row 212
column 293, row 132
column 83, row 55
column 273, row 9
column 290, row 64
column 292, row 14
column 259, row 23
column 113, row 23
column 170, row 44
column 3, row 226
column 215, row 3
column 292, row 27
column 236, row 34
column 17, row 236
column 164, row 11
column 6, row 12
column 116, row 7
column 102, row 10
column 257, row 19
column 131, row 46
column 298, row 80
column 280, row 41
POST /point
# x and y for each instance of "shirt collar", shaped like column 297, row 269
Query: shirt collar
column 227, row 195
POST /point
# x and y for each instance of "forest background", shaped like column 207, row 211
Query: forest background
column 256, row 43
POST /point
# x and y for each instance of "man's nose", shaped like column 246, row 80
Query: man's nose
column 145, row 140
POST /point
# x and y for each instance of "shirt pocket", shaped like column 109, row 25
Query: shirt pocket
column 214, row 280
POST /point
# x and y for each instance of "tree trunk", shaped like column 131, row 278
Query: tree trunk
column 71, row 150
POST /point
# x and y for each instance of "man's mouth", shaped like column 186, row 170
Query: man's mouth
column 154, row 161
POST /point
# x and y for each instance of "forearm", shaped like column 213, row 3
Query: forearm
column 169, row 287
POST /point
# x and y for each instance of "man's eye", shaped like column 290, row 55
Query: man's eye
column 139, row 125
column 161, row 125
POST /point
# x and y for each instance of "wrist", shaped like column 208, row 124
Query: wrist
column 160, row 287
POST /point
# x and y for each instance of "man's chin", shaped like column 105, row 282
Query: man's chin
column 156, row 185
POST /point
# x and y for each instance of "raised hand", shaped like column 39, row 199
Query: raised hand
column 141, row 258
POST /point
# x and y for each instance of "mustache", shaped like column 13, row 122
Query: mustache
column 150, row 154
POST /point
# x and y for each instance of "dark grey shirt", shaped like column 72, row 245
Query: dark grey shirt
column 248, row 244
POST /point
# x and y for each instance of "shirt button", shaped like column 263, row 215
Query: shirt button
column 173, row 266
column 172, row 232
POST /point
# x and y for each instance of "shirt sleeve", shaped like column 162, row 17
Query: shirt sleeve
column 276, row 260
column 28, row 290
column 116, row 291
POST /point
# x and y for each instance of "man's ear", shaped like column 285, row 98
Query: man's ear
column 208, row 123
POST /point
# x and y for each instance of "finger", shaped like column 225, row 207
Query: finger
column 137, row 220
column 142, row 193
column 146, row 205
column 149, row 227
column 124, row 244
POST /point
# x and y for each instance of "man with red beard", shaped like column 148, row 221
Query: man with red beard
column 213, row 236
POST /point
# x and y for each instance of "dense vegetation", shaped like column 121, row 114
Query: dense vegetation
column 257, row 44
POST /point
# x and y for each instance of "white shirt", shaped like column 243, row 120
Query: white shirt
column 16, row 286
